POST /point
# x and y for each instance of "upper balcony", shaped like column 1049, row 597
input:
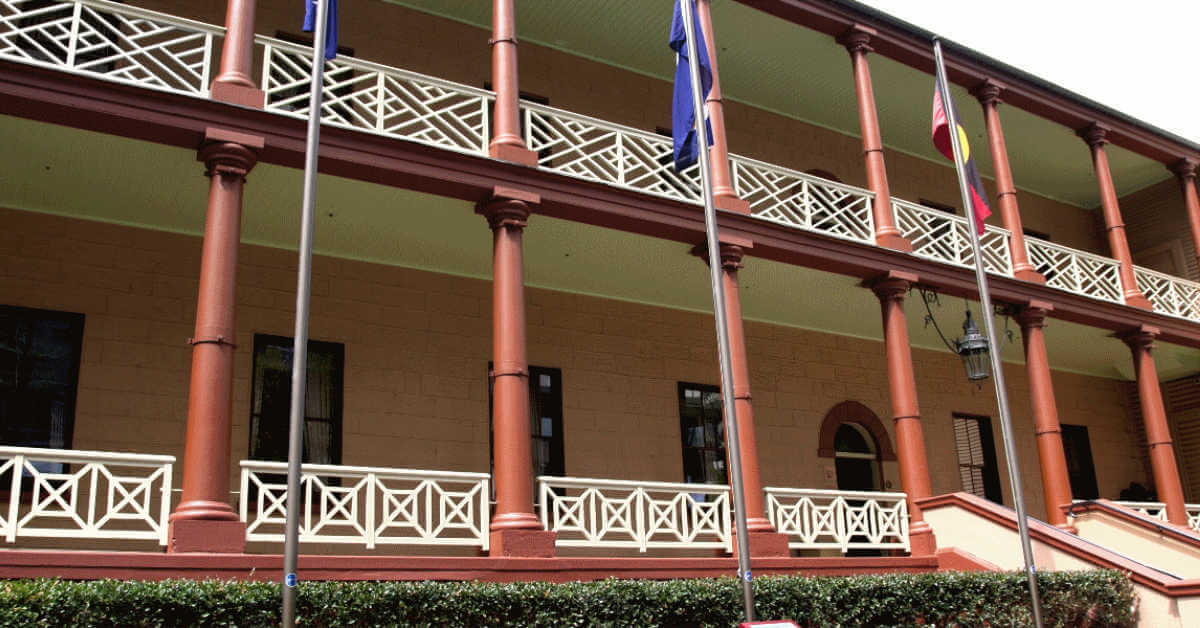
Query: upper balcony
column 163, row 52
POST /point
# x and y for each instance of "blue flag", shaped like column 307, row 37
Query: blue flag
column 683, row 114
column 310, row 22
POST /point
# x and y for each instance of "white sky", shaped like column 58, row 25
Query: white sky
column 1137, row 57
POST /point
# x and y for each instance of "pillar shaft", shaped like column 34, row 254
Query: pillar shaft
column 1185, row 169
column 507, row 142
column 1096, row 137
column 724, row 194
column 205, row 498
column 857, row 41
column 1056, row 481
column 988, row 94
column 902, row 384
column 1154, row 416
column 233, row 82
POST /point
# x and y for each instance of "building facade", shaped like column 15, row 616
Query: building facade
column 513, row 343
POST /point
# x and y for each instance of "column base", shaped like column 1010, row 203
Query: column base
column 1030, row 275
column 206, row 535
column 893, row 241
column 238, row 94
column 514, row 153
column 731, row 203
column 510, row 543
column 921, row 541
column 1139, row 300
column 765, row 544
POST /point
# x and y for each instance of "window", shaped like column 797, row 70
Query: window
column 1080, row 468
column 39, row 374
column 271, row 394
column 545, row 420
column 702, row 431
column 977, row 456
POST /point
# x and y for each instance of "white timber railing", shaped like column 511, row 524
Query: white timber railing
column 112, row 41
column 159, row 51
column 85, row 494
column 845, row 520
column 377, row 98
column 367, row 505
column 597, row 150
column 1076, row 271
column 1170, row 295
column 804, row 201
column 1158, row 510
column 945, row 237
column 587, row 512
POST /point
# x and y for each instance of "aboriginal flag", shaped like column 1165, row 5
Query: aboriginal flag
column 941, row 139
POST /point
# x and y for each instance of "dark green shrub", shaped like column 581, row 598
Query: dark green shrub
column 1096, row 598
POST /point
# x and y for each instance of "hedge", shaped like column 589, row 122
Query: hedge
column 1092, row 598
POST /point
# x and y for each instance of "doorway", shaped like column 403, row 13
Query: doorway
column 856, row 459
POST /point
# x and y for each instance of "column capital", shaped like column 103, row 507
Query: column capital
column 892, row 285
column 1095, row 134
column 989, row 92
column 1033, row 314
column 229, row 153
column 857, row 38
column 1185, row 168
column 1141, row 337
column 507, row 208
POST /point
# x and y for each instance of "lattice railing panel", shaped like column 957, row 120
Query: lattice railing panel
column 587, row 512
column 945, row 237
column 367, row 505
column 380, row 99
column 64, row 493
column 596, row 150
column 801, row 200
column 112, row 41
column 1075, row 271
column 1170, row 295
column 1158, row 510
column 845, row 520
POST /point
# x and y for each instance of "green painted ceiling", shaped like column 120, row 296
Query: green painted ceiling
column 775, row 65
column 112, row 179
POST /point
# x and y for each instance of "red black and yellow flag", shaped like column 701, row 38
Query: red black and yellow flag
column 941, row 139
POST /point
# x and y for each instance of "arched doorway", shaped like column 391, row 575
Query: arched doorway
column 856, row 439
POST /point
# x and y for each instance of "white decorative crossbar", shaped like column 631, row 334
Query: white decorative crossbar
column 1170, row 295
column 587, row 512
column 802, row 200
column 1158, row 510
column 1075, row 271
column 845, row 520
column 367, row 505
column 945, row 237
column 113, row 41
column 378, row 99
column 88, row 495
column 598, row 150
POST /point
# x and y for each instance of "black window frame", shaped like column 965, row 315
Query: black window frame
column 1081, row 466
column 989, row 469
column 338, row 351
column 556, row 461
column 693, row 455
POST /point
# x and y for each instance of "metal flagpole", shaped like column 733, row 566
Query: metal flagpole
column 300, row 344
column 985, row 300
column 718, row 290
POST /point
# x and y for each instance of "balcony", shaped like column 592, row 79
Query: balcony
column 162, row 52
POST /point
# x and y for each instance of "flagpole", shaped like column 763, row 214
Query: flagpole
column 985, row 300
column 300, row 343
column 718, row 291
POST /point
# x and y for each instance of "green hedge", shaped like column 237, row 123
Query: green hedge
column 1095, row 598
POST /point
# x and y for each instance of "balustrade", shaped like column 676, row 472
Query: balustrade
column 1158, row 510
column 844, row 520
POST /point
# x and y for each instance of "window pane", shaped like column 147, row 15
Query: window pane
column 270, row 404
column 39, row 370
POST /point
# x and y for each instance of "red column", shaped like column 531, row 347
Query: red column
column 1096, row 136
column 1154, row 416
column 233, row 82
column 764, row 540
column 724, row 195
column 988, row 92
column 507, row 142
column 910, row 439
column 1056, row 482
column 516, row 530
column 204, row 521
column 1185, row 169
column 857, row 40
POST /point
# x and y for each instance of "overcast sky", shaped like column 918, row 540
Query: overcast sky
column 1137, row 57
